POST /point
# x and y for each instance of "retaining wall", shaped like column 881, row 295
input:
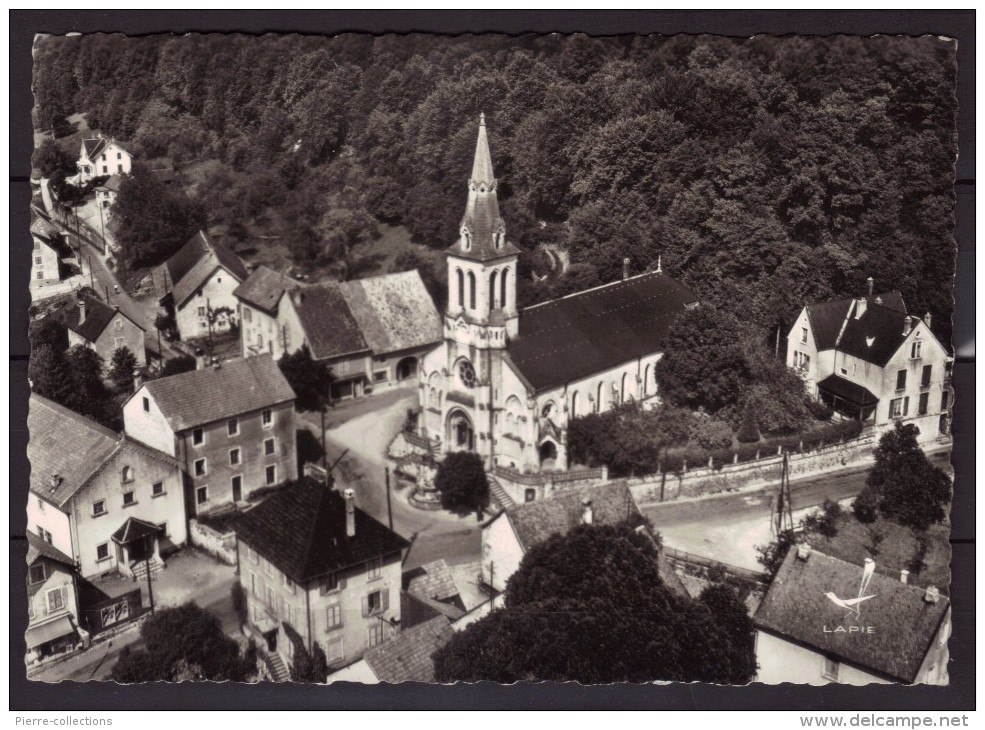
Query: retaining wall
column 221, row 546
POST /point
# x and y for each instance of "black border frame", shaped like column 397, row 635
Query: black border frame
column 960, row 695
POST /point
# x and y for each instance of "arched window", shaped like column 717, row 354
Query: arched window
column 600, row 398
column 466, row 239
column 461, row 287
column 127, row 475
column 471, row 290
column 646, row 380
column 622, row 391
column 492, row 290
column 574, row 405
column 503, row 301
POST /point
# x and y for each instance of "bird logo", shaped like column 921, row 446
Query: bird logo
column 853, row 605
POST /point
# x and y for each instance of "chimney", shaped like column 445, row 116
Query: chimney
column 350, row 512
column 54, row 481
column 587, row 515
column 625, row 268
column 907, row 325
column 803, row 551
column 932, row 595
column 138, row 380
column 871, row 282
column 860, row 305
column 82, row 310
column 904, row 576
column 926, row 319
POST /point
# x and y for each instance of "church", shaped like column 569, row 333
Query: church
column 504, row 382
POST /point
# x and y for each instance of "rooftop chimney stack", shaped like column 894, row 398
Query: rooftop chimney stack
column 82, row 310
column 904, row 576
column 871, row 282
column 932, row 595
column 803, row 552
column 625, row 268
column 926, row 319
column 587, row 515
column 350, row 512
column 907, row 325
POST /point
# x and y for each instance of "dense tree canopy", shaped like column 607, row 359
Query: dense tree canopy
column 765, row 171
column 590, row 607
column 461, row 479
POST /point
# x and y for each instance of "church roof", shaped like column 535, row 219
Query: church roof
column 573, row 337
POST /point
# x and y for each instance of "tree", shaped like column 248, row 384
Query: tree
column 310, row 667
column 907, row 487
column 738, row 655
column 748, row 432
column 310, row 379
column 590, row 607
column 183, row 642
column 121, row 368
column 771, row 555
column 90, row 397
column 177, row 365
column 461, row 479
column 50, row 158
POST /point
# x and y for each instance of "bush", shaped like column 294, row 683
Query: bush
column 865, row 507
column 748, row 428
column 711, row 434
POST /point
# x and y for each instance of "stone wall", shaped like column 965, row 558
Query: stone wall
column 221, row 546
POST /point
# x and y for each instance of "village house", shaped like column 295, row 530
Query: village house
column 197, row 281
column 107, row 192
column 100, row 157
column 869, row 360
column 108, row 502
column 100, row 327
column 824, row 620
column 317, row 570
column 405, row 658
column 371, row 332
column 504, row 382
column 52, row 601
column 230, row 426
column 49, row 251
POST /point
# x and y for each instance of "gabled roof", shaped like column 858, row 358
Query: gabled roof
column 535, row 522
column 112, row 184
column 211, row 394
column 328, row 323
column 94, row 145
column 134, row 529
column 264, row 288
column 432, row 580
column 394, row 312
column 827, row 318
column 875, row 336
column 38, row 548
column 193, row 264
column 300, row 528
column 97, row 318
column 407, row 657
column 796, row 607
column 570, row 338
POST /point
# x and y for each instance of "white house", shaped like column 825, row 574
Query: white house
column 102, row 157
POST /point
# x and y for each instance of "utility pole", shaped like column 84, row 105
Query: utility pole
column 324, row 449
column 208, row 318
column 106, row 288
column 389, row 507
column 150, row 583
column 92, row 282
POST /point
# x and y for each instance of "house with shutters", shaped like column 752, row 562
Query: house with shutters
column 102, row 157
column 100, row 327
column 197, row 283
column 825, row 620
column 49, row 252
column 868, row 359
column 231, row 427
column 107, row 192
column 317, row 571
column 108, row 502
column 52, row 601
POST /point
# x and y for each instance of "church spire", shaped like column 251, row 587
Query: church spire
column 482, row 170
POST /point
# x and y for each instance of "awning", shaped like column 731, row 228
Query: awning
column 38, row 635
column 848, row 391
column 133, row 530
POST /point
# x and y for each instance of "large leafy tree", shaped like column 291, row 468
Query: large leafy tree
column 461, row 479
column 590, row 607
column 122, row 365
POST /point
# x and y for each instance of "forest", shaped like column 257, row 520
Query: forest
column 765, row 172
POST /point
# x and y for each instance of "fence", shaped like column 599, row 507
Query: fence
column 701, row 562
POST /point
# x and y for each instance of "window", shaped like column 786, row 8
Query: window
column 333, row 616
column 201, row 495
column 374, row 568
column 901, row 380
column 234, row 457
column 944, row 400
column 102, row 552
column 267, row 418
column 146, row 405
column 37, row 260
column 915, row 349
column 105, row 168
column 373, row 603
column 342, row 367
column 201, row 311
column 103, row 158
column 118, row 324
column 157, row 489
column 466, row 374
column 56, row 601
column 271, row 475
column 268, row 567
column 898, row 407
column 119, row 155
column 129, row 499
column 331, row 583
column 98, row 508
column 333, row 651
column 471, row 290
column 376, row 634
column 44, row 535
column 503, row 300
column 36, row 574
column 926, row 375
column 924, row 404
column 198, row 437
column 200, row 470
column 269, row 447
column 803, row 335
column 460, row 277
column 288, row 583
column 829, row 669
column 247, row 314
column 529, row 494
column 237, row 484
column 232, row 426
column 40, row 505
column 379, row 377
column 40, row 275
column 801, row 360
column 492, row 289
column 844, row 371
column 119, row 342
column 127, row 475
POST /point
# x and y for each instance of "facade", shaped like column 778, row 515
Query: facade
column 371, row 332
column 230, row 427
column 869, row 360
column 48, row 252
column 102, row 328
column 197, row 281
column 895, row 633
column 106, row 193
column 504, row 382
column 101, row 157
column 332, row 579
column 108, row 502
column 52, row 600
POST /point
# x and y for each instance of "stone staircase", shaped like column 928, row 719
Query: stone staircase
column 498, row 494
column 275, row 666
column 139, row 568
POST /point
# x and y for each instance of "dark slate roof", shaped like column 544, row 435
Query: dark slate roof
column 570, row 338
column 134, row 529
column 394, row 312
column 328, row 323
column 534, row 522
column 875, row 336
column 94, row 145
column 193, row 264
column 827, row 317
column 795, row 607
column 38, row 548
column 847, row 390
column 112, row 184
column 203, row 396
column 98, row 316
column 264, row 288
column 407, row 657
column 300, row 528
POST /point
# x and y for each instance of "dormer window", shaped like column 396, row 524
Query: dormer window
column 466, row 239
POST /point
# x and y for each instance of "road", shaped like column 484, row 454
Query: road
column 729, row 527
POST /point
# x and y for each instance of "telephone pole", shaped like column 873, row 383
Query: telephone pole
column 389, row 507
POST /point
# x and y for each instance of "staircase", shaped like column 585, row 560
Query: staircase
column 499, row 494
column 275, row 666
column 139, row 569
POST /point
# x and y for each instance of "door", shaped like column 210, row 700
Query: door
column 138, row 550
column 237, row 489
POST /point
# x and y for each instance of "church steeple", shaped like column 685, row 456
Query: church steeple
column 482, row 170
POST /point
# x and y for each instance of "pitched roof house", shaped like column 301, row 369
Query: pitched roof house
column 101, row 327
column 318, row 570
column 868, row 359
column 52, row 600
column 405, row 658
column 826, row 620
column 101, row 156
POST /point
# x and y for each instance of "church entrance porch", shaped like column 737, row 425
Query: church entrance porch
column 459, row 432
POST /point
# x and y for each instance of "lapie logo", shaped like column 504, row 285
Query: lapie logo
column 854, row 604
